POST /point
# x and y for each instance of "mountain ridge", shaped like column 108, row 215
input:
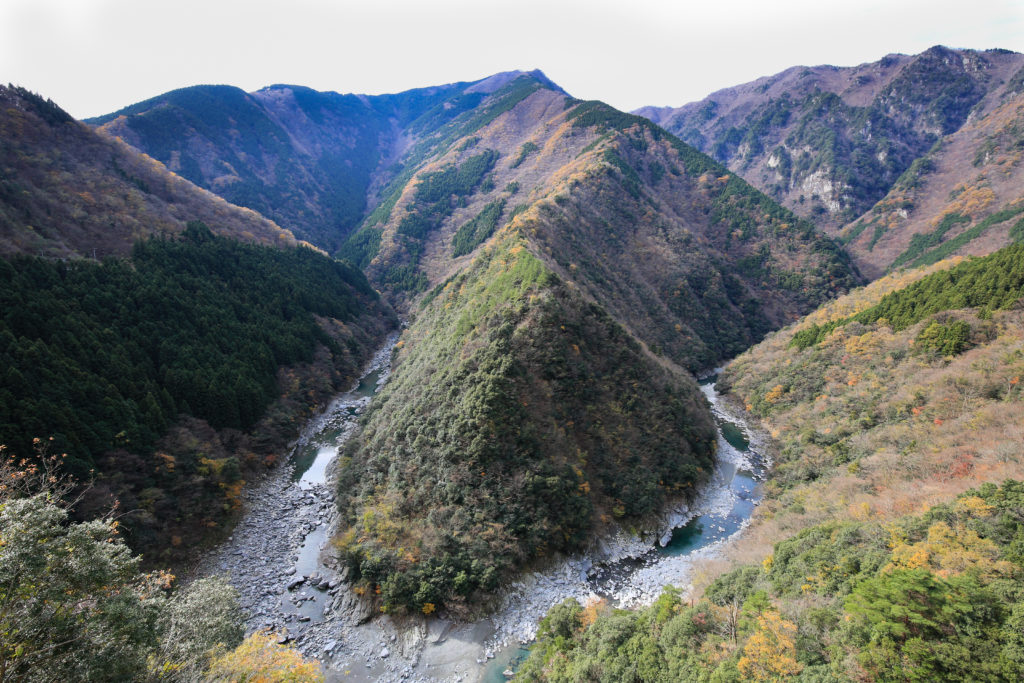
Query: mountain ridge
column 835, row 143
column 311, row 160
column 507, row 243
column 68, row 190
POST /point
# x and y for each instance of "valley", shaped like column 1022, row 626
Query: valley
column 281, row 561
column 410, row 381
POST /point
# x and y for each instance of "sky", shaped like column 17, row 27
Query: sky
column 95, row 56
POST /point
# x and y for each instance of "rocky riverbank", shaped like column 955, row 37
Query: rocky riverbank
column 287, row 584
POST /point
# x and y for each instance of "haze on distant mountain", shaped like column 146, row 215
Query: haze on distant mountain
column 908, row 159
column 94, row 56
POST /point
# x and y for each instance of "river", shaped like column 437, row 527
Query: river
column 288, row 584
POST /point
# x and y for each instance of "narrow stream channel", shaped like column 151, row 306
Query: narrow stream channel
column 316, row 450
column 722, row 511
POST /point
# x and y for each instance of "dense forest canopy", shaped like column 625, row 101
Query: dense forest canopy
column 100, row 359
column 935, row 596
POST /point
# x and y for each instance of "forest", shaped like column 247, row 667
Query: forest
column 129, row 366
column 507, row 437
column 937, row 596
column 887, row 546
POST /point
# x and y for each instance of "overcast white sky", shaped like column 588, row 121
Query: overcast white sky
column 95, row 56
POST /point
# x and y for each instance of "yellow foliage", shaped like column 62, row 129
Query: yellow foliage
column 770, row 654
column 949, row 551
column 592, row 611
column 774, row 394
column 974, row 506
column 863, row 345
column 211, row 466
column 166, row 461
column 233, row 493
column 861, row 511
column 259, row 659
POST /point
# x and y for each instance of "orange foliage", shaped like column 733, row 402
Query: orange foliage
column 260, row 659
column 770, row 654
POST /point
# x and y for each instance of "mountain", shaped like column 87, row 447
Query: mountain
column 66, row 190
column 164, row 359
column 830, row 143
column 564, row 268
column 964, row 196
column 895, row 413
column 310, row 160
column 562, row 264
column 683, row 250
column 169, row 378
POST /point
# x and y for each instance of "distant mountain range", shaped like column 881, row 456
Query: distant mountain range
column 312, row 161
column 880, row 152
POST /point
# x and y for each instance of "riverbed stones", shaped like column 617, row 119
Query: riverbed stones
column 261, row 556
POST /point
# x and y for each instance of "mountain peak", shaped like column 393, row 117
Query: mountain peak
column 499, row 80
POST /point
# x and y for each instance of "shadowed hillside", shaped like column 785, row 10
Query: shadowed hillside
column 66, row 190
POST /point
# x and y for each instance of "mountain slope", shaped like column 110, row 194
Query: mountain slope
column 310, row 160
column 679, row 249
column 180, row 364
column 895, row 413
column 962, row 197
column 66, row 190
column 892, row 397
column 563, row 264
column 830, row 142
column 519, row 415
column 168, row 378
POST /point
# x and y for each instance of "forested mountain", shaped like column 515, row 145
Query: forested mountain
column 888, row 545
column 313, row 161
column 168, row 362
column 564, row 264
column 854, row 148
column 963, row 197
column 564, row 269
column 175, row 374
column 931, row 596
column 66, row 190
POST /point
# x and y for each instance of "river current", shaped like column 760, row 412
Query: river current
column 290, row 585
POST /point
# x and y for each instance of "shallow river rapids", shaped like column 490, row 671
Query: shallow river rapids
column 276, row 559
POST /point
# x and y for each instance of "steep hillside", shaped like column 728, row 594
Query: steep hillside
column 830, row 142
column 895, row 396
column 963, row 197
column 66, row 190
column 934, row 596
column 518, row 417
column 310, row 160
column 888, row 544
column 677, row 248
column 172, row 376
column 563, row 264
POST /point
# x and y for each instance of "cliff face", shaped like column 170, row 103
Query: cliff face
column 830, row 142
